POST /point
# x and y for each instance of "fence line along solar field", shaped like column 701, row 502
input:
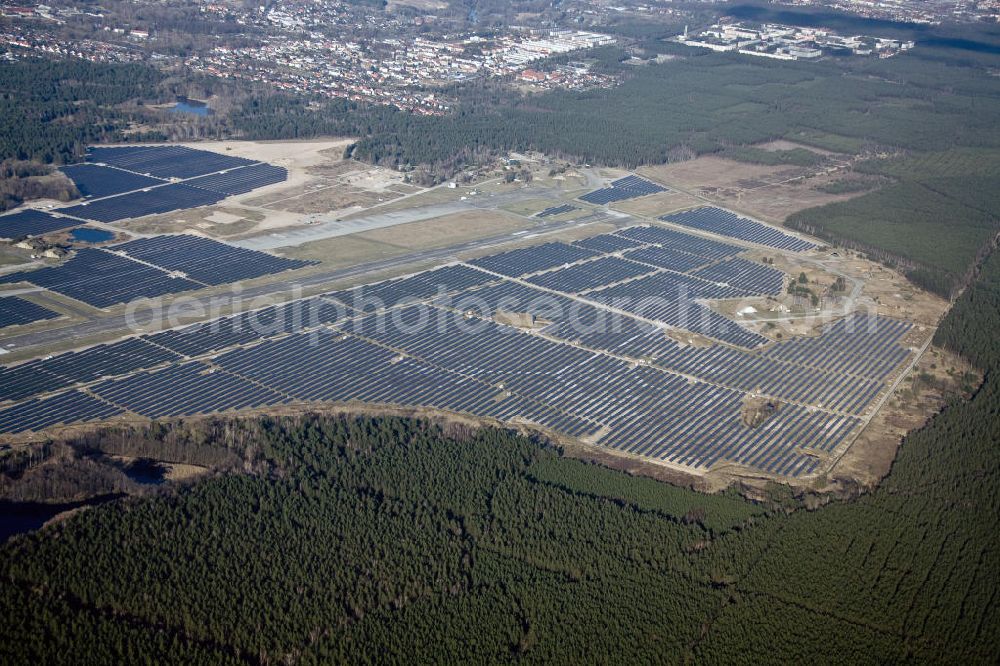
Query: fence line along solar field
column 519, row 336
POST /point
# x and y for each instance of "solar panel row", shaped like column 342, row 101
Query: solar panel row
column 628, row 187
column 16, row 311
column 725, row 223
column 556, row 210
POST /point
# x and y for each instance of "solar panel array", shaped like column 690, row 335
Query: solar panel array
column 665, row 257
column 676, row 240
column 65, row 408
column 628, row 187
column 533, row 259
column 16, row 311
column 606, row 243
column 725, row 223
column 590, row 371
column 751, row 276
column 588, row 275
column 387, row 294
column 32, row 223
column 556, row 210
column 185, row 390
column 93, row 180
column 241, row 180
column 205, row 260
column 165, row 161
column 103, row 279
column 156, row 201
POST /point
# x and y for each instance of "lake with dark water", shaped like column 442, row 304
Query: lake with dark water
column 90, row 235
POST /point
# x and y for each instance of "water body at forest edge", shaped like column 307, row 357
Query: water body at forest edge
column 193, row 106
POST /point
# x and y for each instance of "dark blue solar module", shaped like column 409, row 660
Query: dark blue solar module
column 241, row 180
column 628, row 187
column 102, row 279
column 205, row 260
column 556, row 210
column 165, row 161
column 533, row 259
column 100, row 181
column 16, row 311
column 606, row 243
column 32, row 223
column 137, row 204
column 725, row 223
column 70, row 407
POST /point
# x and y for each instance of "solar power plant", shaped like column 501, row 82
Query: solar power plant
column 166, row 161
column 207, row 261
column 32, row 223
column 590, row 275
column 156, row 201
column 556, row 210
column 185, row 390
column 103, row 279
column 665, row 257
column 241, row 180
column 676, row 240
column 95, row 181
column 606, row 243
column 533, row 259
column 749, row 275
column 628, row 187
column 588, row 371
column 372, row 297
column 725, row 223
column 66, row 408
column 16, row 311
